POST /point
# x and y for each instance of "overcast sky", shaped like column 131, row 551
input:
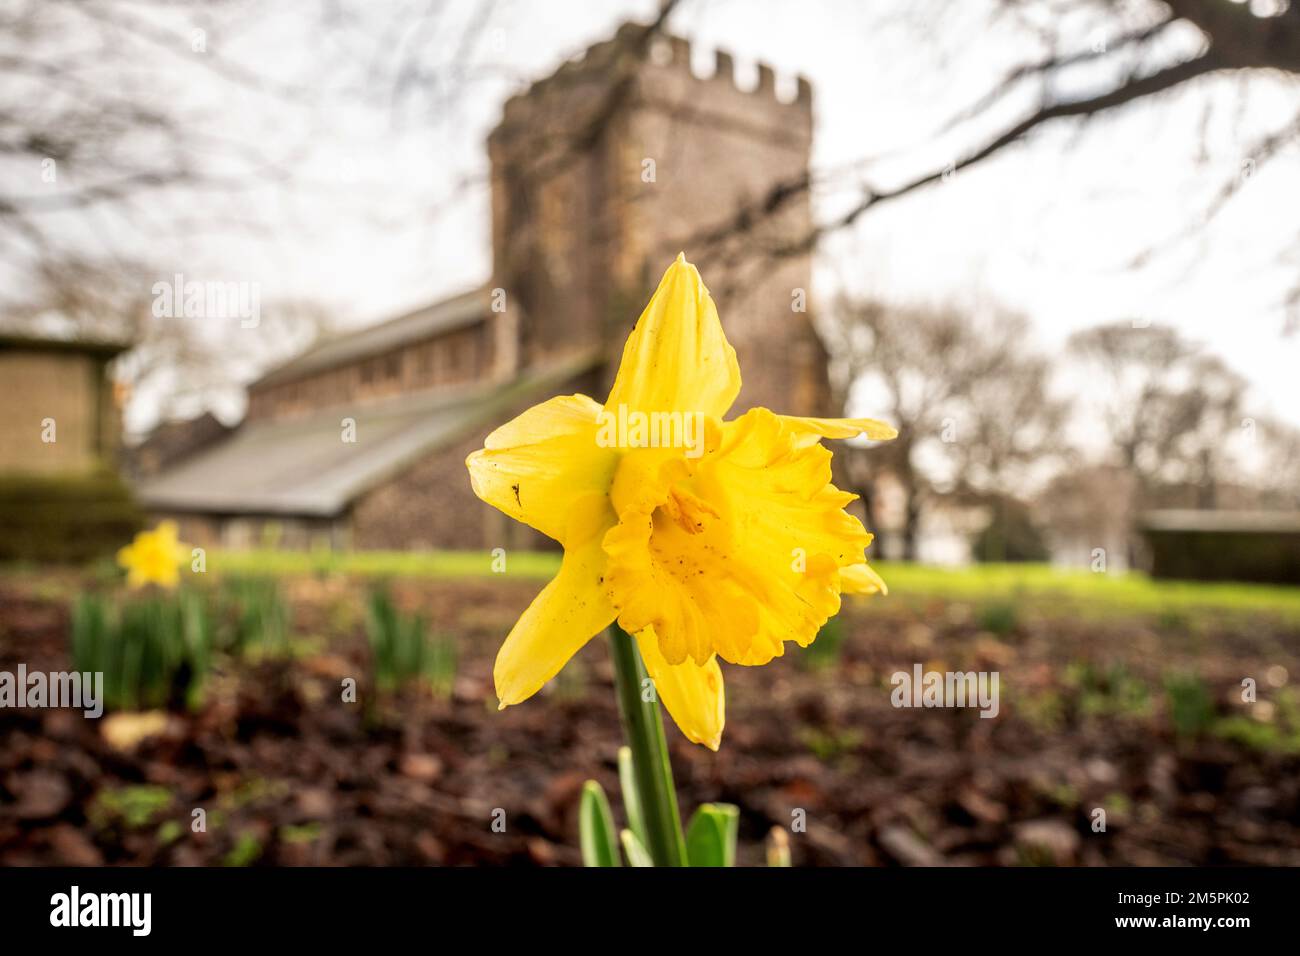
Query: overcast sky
column 386, row 210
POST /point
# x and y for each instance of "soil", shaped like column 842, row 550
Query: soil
column 287, row 773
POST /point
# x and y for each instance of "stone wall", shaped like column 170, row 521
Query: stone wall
column 69, row 387
column 431, row 504
column 456, row 357
column 719, row 149
column 245, row 532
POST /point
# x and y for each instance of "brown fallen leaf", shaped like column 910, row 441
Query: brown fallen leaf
column 41, row 794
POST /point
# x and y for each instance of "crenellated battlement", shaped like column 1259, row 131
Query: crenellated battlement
column 664, row 75
column 677, row 52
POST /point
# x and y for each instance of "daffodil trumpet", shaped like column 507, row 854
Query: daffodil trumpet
column 704, row 539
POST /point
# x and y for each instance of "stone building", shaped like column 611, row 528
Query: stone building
column 1201, row 545
column 61, row 498
column 60, row 417
column 600, row 175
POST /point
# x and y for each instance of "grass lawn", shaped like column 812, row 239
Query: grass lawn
column 1086, row 592
column 1047, row 588
column 541, row 565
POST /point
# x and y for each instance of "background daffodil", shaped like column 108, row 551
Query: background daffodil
column 727, row 553
column 154, row 557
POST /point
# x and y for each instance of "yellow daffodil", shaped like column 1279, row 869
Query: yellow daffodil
column 723, row 546
column 154, row 557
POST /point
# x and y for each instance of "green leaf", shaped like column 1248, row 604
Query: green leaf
column 711, row 836
column 644, row 729
column 631, row 798
column 596, row 828
column 635, row 851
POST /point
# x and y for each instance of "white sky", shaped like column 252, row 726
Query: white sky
column 1048, row 228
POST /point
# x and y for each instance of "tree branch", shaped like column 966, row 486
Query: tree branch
column 1243, row 40
column 749, row 216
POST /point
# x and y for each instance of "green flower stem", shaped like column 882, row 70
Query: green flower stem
column 644, row 728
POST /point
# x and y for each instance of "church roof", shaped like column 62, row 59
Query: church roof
column 23, row 341
column 303, row 467
column 453, row 313
column 1221, row 521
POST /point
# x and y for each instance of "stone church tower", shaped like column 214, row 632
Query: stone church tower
column 604, row 171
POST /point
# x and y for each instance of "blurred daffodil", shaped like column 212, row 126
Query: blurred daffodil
column 154, row 557
column 723, row 546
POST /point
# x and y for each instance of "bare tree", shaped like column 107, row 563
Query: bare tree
column 968, row 396
column 1149, row 49
column 111, row 131
column 182, row 364
column 95, row 120
column 1168, row 409
column 1013, row 422
column 87, row 131
column 1278, row 468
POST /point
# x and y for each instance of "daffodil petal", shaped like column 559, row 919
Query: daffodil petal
column 739, row 556
column 861, row 579
column 677, row 358
column 154, row 556
column 692, row 694
column 535, row 467
column 816, row 428
column 568, row 612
